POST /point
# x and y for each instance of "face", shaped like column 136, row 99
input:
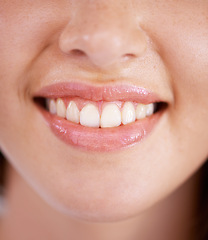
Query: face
column 159, row 47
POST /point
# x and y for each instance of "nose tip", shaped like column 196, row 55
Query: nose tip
column 104, row 36
column 104, row 47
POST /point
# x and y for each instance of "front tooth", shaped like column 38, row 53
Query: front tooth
column 140, row 111
column 72, row 112
column 111, row 116
column 128, row 113
column 51, row 104
column 89, row 116
column 61, row 109
column 149, row 109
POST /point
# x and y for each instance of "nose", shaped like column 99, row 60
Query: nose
column 105, row 32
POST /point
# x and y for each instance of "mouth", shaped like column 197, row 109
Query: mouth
column 100, row 119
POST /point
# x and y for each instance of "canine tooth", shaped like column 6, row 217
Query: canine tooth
column 111, row 116
column 89, row 116
column 51, row 106
column 140, row 111
column 72, row 112
column 149, row 109
column 128, row 113
column 61, row 109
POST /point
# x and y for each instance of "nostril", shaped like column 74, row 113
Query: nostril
column 128, row 56
column 77, row 52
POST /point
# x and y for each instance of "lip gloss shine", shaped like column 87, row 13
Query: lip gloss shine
column 99, row 139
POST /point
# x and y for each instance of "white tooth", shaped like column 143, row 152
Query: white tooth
column 140, row 111
column 149, row 109
column 61, row 109
column 89, row 116
column 51, row 104
column 72, row 112
column 128, row 113
column 111, row 116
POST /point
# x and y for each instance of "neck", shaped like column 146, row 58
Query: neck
column 27, row 216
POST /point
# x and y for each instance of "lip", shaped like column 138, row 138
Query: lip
column 122, row 92
column 100, row 139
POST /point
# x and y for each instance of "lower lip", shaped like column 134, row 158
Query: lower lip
column 100, row 139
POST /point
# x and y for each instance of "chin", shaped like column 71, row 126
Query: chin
column 110, row 209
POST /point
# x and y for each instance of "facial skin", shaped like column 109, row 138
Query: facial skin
column 160, row 45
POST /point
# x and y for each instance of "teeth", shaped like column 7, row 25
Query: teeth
column 149, row 109
column 72, row 112
column 51, row 104
column 89, row 116
column 111, row 116
column 128, row 113
column 140, row 111
column 61, row 109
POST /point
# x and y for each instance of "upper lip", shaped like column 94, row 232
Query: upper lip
column 115, row 92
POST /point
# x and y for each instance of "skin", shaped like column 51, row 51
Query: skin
column 160, row 45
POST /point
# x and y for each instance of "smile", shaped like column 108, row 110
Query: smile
column 99, row 118
column 99, row 114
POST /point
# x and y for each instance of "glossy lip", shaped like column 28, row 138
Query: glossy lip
column 121, row 92
column 99, row 139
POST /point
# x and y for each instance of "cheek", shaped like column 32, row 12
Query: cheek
column 26, row 28
column 183, row 48
column 188, row 66
column 186, row 56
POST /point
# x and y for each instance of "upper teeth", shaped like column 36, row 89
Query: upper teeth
column 89, row 116
column 128, row 113
column 72, row 112
column 61, row 109
column 111, row 115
